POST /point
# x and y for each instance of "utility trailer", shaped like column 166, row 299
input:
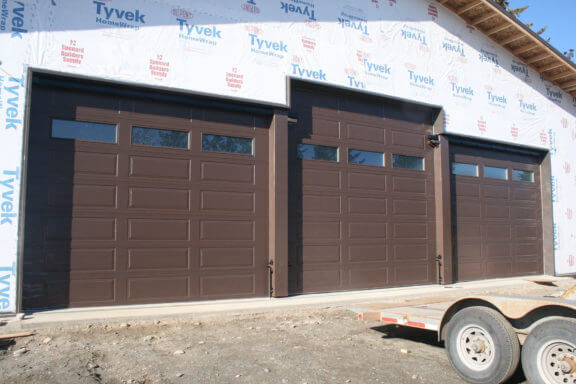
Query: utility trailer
column 486, row 336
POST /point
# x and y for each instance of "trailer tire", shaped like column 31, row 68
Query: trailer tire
column 549, row 353
column 482, row 346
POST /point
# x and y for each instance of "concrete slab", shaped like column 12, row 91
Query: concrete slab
column 93, row 315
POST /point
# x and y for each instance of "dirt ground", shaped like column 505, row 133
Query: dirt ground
column 298, row 346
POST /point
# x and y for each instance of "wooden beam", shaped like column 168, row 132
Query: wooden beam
column 562, row 75
column 442, row 1
column 551, row 67
column 568, row 85
column 469, row 7
column 525, row 49
column 537, row 58
column 482, row 19
column 570, row 89
column 15, row 335
column 499, row 28
column 513, row 38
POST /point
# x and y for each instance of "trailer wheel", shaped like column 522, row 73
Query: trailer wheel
column 482, row 346
column 549, row 353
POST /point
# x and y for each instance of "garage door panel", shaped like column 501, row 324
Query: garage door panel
column 88, row 259
column 321, row 204
column 158, row 230
column 410, row 140
column 321, row 178
column 62, row 195
column 80, row 228
column 226, row 230
column 411, row 274
column 227, row 286
column 416, row 185
column 325, row 127
column 158, row 259
column 320, row 280
column 411, row 208
column 510, row 224
column 367, row 133
column 313, row 254
column 66, row 163
column 367, row 181
column 363, row 253
column 327, row 230
column 151, row 288
column 411, row 252
column 158, row 167
column 468, row 190
column 410, row 231
column 365, row 230
column 469, row 209
column 159, row 198
column 366, row 205
column 236, row 257
column 224, row 172
column 91, row 290
column 227, row 201
column 369, row 278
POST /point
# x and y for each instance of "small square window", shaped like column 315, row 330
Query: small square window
column 317, row 152
column 408, row 162
column 519, row 175
column 82, row 130
column 496, row 173
column 159, row 137
column 464, row 169
column 365, row 157
column 228, row 144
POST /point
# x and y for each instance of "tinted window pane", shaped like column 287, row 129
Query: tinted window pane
column 217, row 143
column 159, row 137
column 317, row 152
column 408, row 162
column 519, row 175
column 80, row 130
column 496, row 173
column 465, row 169
column 365, row 157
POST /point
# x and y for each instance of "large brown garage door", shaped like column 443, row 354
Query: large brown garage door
column 497, row 211
column 361, row 195
column 133, row 201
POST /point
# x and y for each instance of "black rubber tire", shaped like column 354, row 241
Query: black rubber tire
column 552, row 330
column 506, row 345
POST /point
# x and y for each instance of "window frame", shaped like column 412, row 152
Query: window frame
column 383, row 164
column 337, row 148
column 410, row 156
column 465, row 175
column 496, row 178
column 532, row 174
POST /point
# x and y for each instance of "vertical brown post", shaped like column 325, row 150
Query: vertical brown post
column 278, row 203
column 547, row 218
column 442, row 188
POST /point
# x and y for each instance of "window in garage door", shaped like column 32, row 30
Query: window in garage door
column 126, row 203
column 497, row 214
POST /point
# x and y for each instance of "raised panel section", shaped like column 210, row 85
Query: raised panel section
column 159, row 258
column 412, row 252
column 365, row 205
column 410, row 231
column 497, row 232
column 469, row 231
column 411, row 274
column 404, row 139
column 95, row 163
column 159, row 198
column 157, row 288
column 410, row 207
column 227, row 230
column 500, row 192
column 320, row 280
column 154, row 229
column 525, row 194
column 469, row 209
column 320, row 230
column 467, row 190
column 82, row 196
column 372, row 277
column 409, row 184
column 227, row 201
column 225, row 172
column 367, row 181
column 320, row 254
column 159, row 167
column 525, row 232
column 524, row 213
column 226, row 257
column 366, row 133
column 320, row 204
column 496, row 212
column 89, row 259
column 317, row 178
column 327, row 128
column 91, row 290
column 500, row 250
column 359, row 253
column 80, row 228
column 366, row 231
column 242, row 285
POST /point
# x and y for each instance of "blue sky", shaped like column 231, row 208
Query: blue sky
column 558, row 15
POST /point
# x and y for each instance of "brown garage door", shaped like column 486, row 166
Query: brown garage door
column 133, row 201
column 361, row 195
column 497, row 210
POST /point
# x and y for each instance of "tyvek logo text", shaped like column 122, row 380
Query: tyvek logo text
column 117, row 17
column 381, row 71
column 200, row 33
column 528, row 108
column 555, row 96
column 308, row 73
column 8, row 209
column 349, row 21
column 462, row 91
column 411, row 33
column 497, row 100
column 17, row 20
column 267, row 47
column 6, row 275
column 13, row 118
column 299, row 7
column 421, row 80
column 454, row 46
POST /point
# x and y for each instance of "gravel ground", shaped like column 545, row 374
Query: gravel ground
column 297, row 346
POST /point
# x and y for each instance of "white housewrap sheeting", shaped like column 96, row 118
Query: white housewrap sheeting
column 413, row 49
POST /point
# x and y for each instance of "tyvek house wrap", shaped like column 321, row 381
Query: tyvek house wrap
column 413, row 49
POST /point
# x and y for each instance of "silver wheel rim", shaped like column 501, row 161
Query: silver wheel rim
column 475, row 347
column 557, row 362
